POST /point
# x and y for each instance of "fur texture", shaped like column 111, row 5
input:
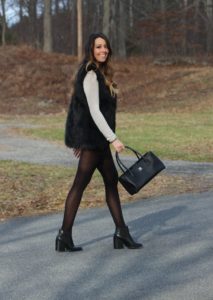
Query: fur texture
column 80, row 130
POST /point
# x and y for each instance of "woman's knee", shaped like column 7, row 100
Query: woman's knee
column 82, row 180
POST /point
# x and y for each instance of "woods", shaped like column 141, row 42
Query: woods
column 135, row 27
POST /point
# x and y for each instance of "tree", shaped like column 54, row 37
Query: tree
column 209, row 12
column 47, row 47
column 56, row 7
column 21, row 7
column 106, row 17
column 79, row 28
column 184, row 22
column 154, row 27
column 32, row 12
column 115, row 20
column 73, row 9
column 122, row 30
column 163, row 25
column 113, row 33
column 3, row 23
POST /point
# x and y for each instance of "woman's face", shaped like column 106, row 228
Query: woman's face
column 100, row 50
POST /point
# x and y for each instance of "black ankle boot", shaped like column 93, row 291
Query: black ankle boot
column 122, row 237
column 65, row 243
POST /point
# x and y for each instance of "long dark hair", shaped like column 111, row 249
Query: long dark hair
column 89, row 47
column 104, row 67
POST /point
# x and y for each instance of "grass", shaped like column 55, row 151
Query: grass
column 185, row 135
column 30, row 189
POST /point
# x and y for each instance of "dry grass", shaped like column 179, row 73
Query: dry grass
column 32, row 82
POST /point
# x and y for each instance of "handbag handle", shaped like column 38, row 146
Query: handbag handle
column 119, row 162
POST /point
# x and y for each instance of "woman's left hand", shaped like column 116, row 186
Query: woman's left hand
column 118, row 145
column 77, row 152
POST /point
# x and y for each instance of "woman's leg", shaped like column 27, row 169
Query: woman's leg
column 88, row 162
column 108, row 171
column 110, row 176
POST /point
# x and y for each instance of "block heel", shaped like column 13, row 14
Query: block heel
column 64, row 243
column 123, row 238
column 118, row 243
column 60, row 246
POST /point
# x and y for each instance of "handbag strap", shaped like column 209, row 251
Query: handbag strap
column 138, row 154
column 119, row 162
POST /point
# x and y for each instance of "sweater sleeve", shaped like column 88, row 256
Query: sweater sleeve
column 91, row 90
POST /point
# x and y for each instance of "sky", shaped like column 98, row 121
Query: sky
column 11, row 12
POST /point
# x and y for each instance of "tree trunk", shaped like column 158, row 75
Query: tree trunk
column 74, row 28
column 209, row 12
column 122, row 31
column 131, row 18
column 21, row 4
column 184, row 21
column 196, row 25
column 79, row 27
column 56, row 7
column 32, row 11
column 47, row 47
column 113, row 26
column 163, row 27
column 4, row 23
column 106, row 17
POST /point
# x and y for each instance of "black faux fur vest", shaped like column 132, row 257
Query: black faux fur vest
column 80, row 130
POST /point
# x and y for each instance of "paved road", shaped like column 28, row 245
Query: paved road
column 176, row 262
column 25, row 149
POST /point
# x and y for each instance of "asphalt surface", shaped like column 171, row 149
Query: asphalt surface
column 175, row 263
column 25, row 149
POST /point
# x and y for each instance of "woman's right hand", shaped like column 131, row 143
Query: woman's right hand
column 118, row 145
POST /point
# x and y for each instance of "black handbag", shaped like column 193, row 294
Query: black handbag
column 141, row 172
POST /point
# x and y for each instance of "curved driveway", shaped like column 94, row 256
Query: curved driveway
column 176, row 262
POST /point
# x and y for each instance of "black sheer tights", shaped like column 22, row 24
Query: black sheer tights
column 89, row 161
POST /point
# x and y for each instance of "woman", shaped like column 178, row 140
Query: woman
column 90, row 129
